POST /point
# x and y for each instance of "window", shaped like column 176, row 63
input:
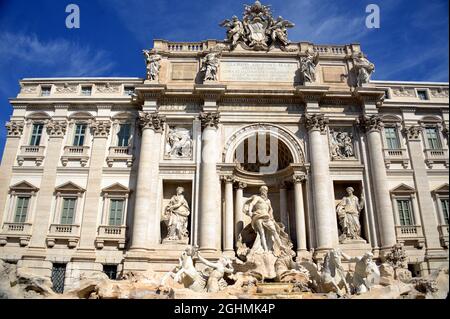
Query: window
column 80, row 133
column 128, row 90
column 68, row 210
column 392, row 141
column 36, row 134
column 110, row 271
column 387, row 96
column 422, row 94
column 116, row 212
column 444, row 205
column 86, row 90
column 405, row 212
column 58, row 277
column 433, row 138
column 46, row 90
column 21, row 209
column 123, row 136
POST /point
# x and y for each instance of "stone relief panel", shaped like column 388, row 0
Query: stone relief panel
column 403, row 92
column 66, row 88
column 179, row 143
column 342, row 145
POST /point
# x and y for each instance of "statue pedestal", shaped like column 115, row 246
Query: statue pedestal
column 175, row 242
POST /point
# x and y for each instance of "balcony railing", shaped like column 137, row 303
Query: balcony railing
column 115, row 234
column 436, row 156
column 410, row 233
column 30, row 152
column 16, row 231
column 120, row 153
column 75, row 153
column 66, row 233
column 398, row 155
column 330, row 50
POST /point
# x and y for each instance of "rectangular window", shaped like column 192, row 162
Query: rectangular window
column 392, row 141
column 405, row 212
column 128, row 90
column 386, row 94
column 433, row 138
column 46, row 90
column 422, row 94
column 80, row 134
column 444, row 205
column 86, row 90
column 58, row 277
column 123, row 136
column 68, row 210
column 21, row 209
column 116, row 212
column 110, row 271
column 36, row 134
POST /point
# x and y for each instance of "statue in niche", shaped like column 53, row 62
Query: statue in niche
column 348, row 211
column 364, row 69
column 341, row 145
column 176, row 216
column 308, row 66
column 210, row 65
column 153, row 65
column 179, row 143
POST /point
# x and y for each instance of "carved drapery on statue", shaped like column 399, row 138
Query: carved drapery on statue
column 363, row 69
column 258, row 30
column 153, row 62
column 210, row 64
column 179, row 143
column 348, row 211
column 308, row 66
column 176, row 216
column 341, row 145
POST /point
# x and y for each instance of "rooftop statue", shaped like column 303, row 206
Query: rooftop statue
column 258, row 30
column 364, row 69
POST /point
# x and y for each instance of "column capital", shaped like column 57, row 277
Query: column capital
column 15, row 128
column 298, row 179
column 413, row 132
column 56, row 128
column 228, row 178
column 371, row 123
column 210, row 119
column 100, row 128
column 316, row 122
column 153, row 121
column 241, row 185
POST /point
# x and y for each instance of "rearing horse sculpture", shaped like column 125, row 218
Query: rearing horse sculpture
column 333, row 275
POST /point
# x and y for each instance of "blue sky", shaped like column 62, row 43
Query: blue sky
column 411, row 44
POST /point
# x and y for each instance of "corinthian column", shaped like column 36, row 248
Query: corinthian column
column 238, row 214
column 228, row 217
column 209, row 212
column 146, row 228
column 325, row 217
column 373, row 125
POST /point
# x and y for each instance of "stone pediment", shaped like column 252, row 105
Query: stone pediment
column 403, row 189
column 116, row 188
column 23, row 186
column 69, row 187
column 443, row 189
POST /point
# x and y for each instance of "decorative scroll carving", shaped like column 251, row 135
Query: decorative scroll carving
column 371, row 123
column 298, row 179
column 56, row 128
column 341, row 145
column 108, row 88
column 316, row 122
column 153, row 121
column 100, row 128
column 15, row 128
column 258, row 30
column 210, row 119
column 413, row 132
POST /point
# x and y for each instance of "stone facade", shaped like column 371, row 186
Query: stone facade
column 91, row 164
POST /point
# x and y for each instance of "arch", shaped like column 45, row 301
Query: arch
column 39, row 115
column 81, row 116
column 124, row 116
column 391, row 118
column 294, row 145
column 430, row 119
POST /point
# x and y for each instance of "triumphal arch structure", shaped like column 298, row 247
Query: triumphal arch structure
column 124, row 173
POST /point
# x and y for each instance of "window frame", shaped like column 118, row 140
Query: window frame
column 78, row 135
column 436, row 130
column 410, row 212
column 126, row 90
column 397, row 137
column 74, row 209
column 84, row 92
column 34, row 135
column 22, row 217
column 119, row 139
column 110, row 193
column 46, row 88
column 427, row 94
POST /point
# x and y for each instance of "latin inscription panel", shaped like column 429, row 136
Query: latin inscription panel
column 260, row 71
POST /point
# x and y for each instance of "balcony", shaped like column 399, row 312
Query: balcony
column 436, row 156
column 112, row 234
column 399, row 155
column 20, row 231
column 443, row 235
column 69, row 234
column 119, row 154
column 75, row 153
column 34, row 153
column 412, row 233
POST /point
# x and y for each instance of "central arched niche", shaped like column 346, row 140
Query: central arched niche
column 262, row 152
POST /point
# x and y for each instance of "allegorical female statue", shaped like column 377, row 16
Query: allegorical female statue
column 348, row 211
column 153, row 65
column 176, row 217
